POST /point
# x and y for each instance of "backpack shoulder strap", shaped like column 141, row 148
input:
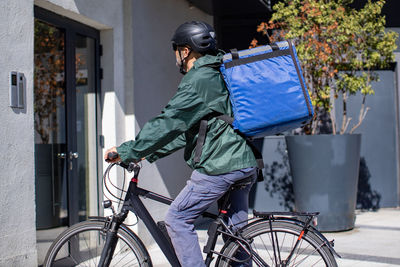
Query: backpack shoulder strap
column 200, row 140
column 226, row 118
column 203, row 132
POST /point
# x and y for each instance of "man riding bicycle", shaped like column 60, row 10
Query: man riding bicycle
column 221, row 159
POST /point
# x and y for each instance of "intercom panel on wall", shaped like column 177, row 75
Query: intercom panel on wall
column 17, row 89
column 13, row 89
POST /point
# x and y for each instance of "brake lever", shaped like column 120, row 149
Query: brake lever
column 131, row 167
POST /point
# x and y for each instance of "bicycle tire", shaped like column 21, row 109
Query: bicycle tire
column 312, row 250
column 82, row 244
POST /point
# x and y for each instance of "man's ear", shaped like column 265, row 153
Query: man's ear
column 185, row 51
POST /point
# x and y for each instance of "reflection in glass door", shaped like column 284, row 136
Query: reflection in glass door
column 65, row 104
column 50, row 126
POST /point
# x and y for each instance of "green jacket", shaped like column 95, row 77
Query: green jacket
column 201, row 92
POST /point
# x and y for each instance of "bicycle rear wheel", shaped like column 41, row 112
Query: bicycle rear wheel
column 82, row 245
column 311, row 249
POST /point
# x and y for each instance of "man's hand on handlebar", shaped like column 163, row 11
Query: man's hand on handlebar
column 111, row 155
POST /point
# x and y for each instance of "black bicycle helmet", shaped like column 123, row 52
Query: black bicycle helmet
column 199, row 35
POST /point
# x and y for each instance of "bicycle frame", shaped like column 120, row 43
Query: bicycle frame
column 133, row 203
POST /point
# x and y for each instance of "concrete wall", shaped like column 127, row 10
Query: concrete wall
column 273, row 194
column 380, row 140
column 17, row 196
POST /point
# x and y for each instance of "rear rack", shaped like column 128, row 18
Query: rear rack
column 263, row 214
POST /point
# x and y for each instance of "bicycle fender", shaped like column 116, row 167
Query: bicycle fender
column 301, row 224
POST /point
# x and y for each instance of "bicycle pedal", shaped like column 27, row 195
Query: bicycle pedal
column 332, row 242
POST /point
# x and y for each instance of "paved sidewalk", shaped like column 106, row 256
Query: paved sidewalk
column 374, row 242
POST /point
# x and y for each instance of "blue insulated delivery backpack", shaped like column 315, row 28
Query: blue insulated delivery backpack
column 267, row 92
column 267, row 89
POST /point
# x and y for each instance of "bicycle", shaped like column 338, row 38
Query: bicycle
column 268, row 238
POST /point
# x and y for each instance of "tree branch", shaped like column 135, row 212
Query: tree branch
column 361, row 117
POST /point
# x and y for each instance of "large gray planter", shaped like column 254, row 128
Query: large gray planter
column 325, row 176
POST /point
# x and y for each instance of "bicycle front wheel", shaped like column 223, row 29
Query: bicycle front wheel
column 83, row 243
column 278, row 247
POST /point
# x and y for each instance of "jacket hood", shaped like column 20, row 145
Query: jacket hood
column 208, row 60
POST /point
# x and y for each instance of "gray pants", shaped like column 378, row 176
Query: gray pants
column 198, row 195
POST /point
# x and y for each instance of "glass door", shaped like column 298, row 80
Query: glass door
column 66, row 86
column 85, row 104
column 50, row 126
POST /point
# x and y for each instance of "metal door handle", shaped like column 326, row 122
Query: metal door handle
column 73, row 155
column 61, row 155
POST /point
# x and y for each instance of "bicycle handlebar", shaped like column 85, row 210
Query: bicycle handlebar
column 132, row 166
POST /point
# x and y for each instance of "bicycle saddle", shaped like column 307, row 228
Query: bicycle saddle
column 242, row 183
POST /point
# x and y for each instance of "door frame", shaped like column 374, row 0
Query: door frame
column 71, row 29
